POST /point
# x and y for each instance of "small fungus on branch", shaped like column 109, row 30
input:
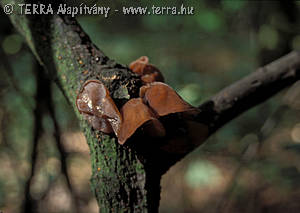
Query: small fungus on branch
column 148, row 72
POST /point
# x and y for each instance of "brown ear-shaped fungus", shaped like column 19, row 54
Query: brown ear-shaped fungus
column 98, row 107
column 138, row 65
column 163, row 99
column 135, row 113
column 151, row 74
column 148, row 72
column 97, row 123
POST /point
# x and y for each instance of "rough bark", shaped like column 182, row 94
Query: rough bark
column 127, row 178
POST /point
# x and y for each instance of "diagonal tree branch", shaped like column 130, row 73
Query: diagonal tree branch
column 250, row 91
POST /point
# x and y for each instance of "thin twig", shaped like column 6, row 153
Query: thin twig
column 29, row 204
column 62, row 152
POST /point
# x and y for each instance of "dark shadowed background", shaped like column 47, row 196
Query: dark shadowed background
column 250, row 165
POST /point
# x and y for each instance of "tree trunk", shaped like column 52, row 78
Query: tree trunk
column 119, row 179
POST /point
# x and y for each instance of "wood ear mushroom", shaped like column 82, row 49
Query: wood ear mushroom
column 163, row 99
column 135, row 113
column 95, row 103
column 148, row 72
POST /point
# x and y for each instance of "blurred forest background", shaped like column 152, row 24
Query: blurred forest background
column 250, row 165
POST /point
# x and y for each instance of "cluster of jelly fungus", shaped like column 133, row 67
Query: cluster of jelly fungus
column 156, row 100
column 98, row 108
column 148, row 72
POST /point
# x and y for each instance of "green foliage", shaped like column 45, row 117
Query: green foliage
column 12, row 44
column 209, row 21
column 233, row 5
column 268, row 37
column 202, row 173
